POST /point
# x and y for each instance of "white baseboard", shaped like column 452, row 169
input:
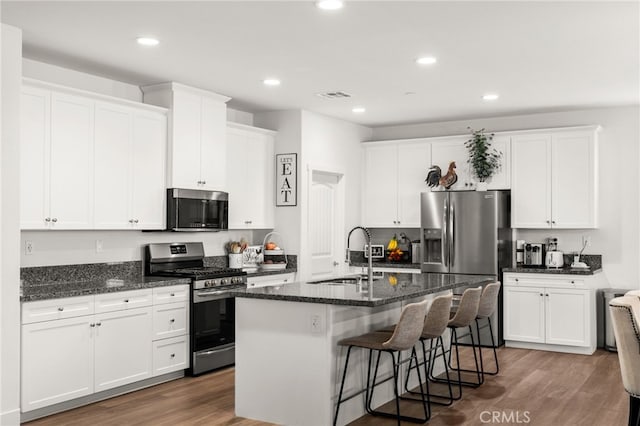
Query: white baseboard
column 582, row 350
column 10, row 418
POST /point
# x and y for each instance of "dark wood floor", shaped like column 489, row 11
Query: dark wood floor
column 533, row 387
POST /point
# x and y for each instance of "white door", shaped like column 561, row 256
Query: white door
column 186, row 137
column 567, row 315
column 258, row 164
column 531, row 181
column 380, row 198
column 524, row 314
column 325, row 224
column 112, row 167
column 148, row 193
column 414, row 161
column 35, row 138
column 72, row 136
column 123, row 348
column 573, row 180
column 57, row 361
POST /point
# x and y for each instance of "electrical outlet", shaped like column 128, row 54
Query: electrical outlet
column 28, row 247
column 316, row 324
column 98, row 246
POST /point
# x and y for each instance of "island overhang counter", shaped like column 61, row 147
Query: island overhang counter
column 288, row 364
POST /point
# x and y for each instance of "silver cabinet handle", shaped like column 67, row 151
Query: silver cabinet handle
column 92, row 325
column 135, row 220
column 516, row 279
column 204, row 182
column 61, row 309
column 553, row 221
column 98, row 324
column 541, row 294
column 173, row 355
column 130, row 220
column 47, row 219
column 172, row 320
column 173, row 294
column 55, row 219
column 398, row 222
column 126, row 300
column 547, row 294
column 548, row 222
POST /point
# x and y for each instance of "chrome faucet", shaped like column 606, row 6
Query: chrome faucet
column 348, row 256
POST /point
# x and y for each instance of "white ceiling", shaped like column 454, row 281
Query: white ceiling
column 539, row 56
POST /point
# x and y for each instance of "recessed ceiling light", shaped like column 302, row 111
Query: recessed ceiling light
column 426, row 60
column 490, row 97
column 330, row 4
column 147, row 41
column 358, row 110
column 271, row 82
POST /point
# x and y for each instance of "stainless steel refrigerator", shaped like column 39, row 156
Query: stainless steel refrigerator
column 467, row 232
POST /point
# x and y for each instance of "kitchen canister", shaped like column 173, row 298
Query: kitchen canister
column 235, row 260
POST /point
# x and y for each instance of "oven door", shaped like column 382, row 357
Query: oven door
column 212, row 330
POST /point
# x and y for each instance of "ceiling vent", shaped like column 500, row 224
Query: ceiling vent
column 334, row 95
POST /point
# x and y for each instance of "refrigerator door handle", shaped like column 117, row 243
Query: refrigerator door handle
column 452, row 220
column 445, row 234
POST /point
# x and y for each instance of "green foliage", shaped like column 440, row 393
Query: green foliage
column 483, row 159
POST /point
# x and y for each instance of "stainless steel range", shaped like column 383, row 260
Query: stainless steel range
column 212, row 306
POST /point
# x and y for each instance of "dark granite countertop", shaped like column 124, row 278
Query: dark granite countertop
column 408, row 286
column 565, row 270
column 58, row 289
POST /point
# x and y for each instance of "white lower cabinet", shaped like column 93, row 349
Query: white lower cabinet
column 77, row 346
column 122, row 348
column 555, row 313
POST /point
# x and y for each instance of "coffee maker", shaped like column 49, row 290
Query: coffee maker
column 534, row 255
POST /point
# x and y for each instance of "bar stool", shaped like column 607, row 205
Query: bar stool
column 624, row 315
column 404, row 337
column 486, row 308
column 463, row 317
column 435, row 324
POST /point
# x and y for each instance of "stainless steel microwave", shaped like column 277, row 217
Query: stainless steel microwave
column 197, row 210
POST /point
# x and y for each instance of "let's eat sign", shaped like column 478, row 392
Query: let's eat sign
column 286, row 179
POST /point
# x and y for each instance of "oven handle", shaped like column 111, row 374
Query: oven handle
column 212, row 295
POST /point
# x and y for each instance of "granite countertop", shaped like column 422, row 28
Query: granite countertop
column 58, row 289
column 408, row 286
column 543, row 270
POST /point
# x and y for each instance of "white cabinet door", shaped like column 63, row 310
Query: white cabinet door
column 170, row 320
column 35, row 139
column 259, row 180
column 531, row 181
column 567, row 317
column 112, row 166
column 72, row 133
column 524, row 318
column 148, row 190
column 213, row 145
column 237, row 179
column 414, row 160
column 57, row 361
column 502, row 178
column 186, row 137
column 443, row 152
column 574, row 190
column 123, row 349
column 380, row 200
column 170, row 355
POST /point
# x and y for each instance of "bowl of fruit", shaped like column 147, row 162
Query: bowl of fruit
column 274, row 257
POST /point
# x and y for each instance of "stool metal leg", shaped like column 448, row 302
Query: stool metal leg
column 344, row 375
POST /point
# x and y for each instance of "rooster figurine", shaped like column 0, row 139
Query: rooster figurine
column 450, row 178
column 433, row 177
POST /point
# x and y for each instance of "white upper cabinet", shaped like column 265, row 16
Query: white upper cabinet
column 197, row 136
column 554, row 179
column 90, row 161
column 56, row 161
column 394, row 174
column 446, row 150
column 250, row 177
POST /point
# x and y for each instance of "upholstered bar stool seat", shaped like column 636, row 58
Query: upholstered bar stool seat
column 404, row 336
column 625, row 312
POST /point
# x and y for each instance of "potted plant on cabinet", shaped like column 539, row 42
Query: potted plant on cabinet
column 483, row 159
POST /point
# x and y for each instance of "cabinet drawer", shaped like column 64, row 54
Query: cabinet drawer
column 47, row 310
column 268, row 280
column 546, row 280
column 110, row 302
column 171, row 294
column 170, row 355
column 170, row 320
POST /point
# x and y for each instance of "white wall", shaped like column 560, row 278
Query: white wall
column 9, row 226
column 617, row 237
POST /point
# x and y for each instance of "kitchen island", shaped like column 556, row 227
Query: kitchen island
column 288, row 364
